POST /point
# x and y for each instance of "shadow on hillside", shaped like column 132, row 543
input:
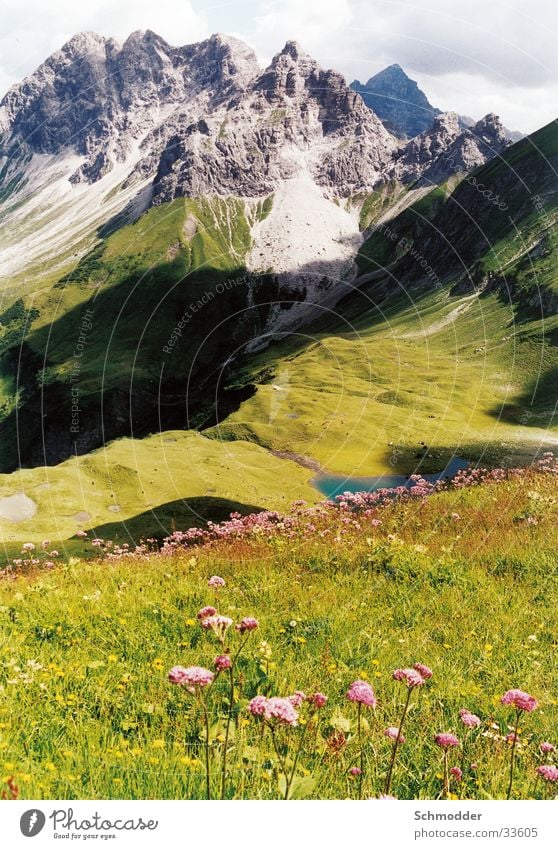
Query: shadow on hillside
column 157, row 349
column 536, row 406
column 175, row 515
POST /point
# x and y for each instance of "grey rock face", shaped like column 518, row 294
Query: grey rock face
column 294, row 115
column 97, row 98
column 204, row 119
column 449, row 148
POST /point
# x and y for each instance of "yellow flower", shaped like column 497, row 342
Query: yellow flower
column 112, row 658
column 158, row 664
column 153, row 761
column 376, row 662
column 362, row 674
column 488, row 647
column 190, row 623
column 158, row 744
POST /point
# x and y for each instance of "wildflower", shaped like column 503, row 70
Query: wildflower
column 297, row 698
column 318, row 700
column 512, row 737
column 257, row 705
column 215, row 581
column 222, row 662
column 281, row 710
column 193, row 678
column 456, row 772
column 410, row 677
column 387, row 796
column 218, row 624
column 549, row 773
column 206, row 612
column 547, row 748
column 362, row 692
column 28, row 546
column 469, row 720
column 520, row 700
column 446, row 741
column 247, row 624
column 423, row 670
column 355, row 771
column 393, row 733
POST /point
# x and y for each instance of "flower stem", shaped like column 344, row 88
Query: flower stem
column 295, row 762
column 280, row 759
column 396, row 743
column 227, row 733
column 359, row 731
column 512, row 761
column 206, row 747
column 446, row 775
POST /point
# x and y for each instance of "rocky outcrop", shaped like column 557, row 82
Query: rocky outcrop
column 293, row 117
column 449, row 148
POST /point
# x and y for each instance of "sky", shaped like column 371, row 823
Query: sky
column 472, row 57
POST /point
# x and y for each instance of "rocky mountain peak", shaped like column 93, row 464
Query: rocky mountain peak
column 398, row 101
column 448, row 148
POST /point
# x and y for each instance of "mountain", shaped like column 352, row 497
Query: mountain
column 397, row 101
column 178, row 212
column 403, row 107
column 448, row 148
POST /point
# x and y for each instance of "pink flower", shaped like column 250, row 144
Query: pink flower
column 206, row 612
column 362, row 692
column 297, row 698
column 446, row 741
column 456, row 772
column 520, row 700
column 257, row 705
column 28, row 546
column 355, row 771
column 247, row 624
column 81, row 534
column 423, row 670
column 470, row 720
column 549, row 773
column 193, row 678
column 410, row 677
column 222, row 662
column 318, row 700
column 215, row 581
column 281, row 710
column 512, row 737
column 547, row 748
column 218, row 624
column 393, row 733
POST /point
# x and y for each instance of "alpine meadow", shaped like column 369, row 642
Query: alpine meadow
column 278, row 435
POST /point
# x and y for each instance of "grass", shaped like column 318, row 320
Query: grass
column 376, row 388
column 464, row 582
column 136, row 480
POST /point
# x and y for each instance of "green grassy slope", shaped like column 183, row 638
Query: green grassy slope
column 462, row 583
column 164, row 481
column 164, row 303
column 368, row 393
